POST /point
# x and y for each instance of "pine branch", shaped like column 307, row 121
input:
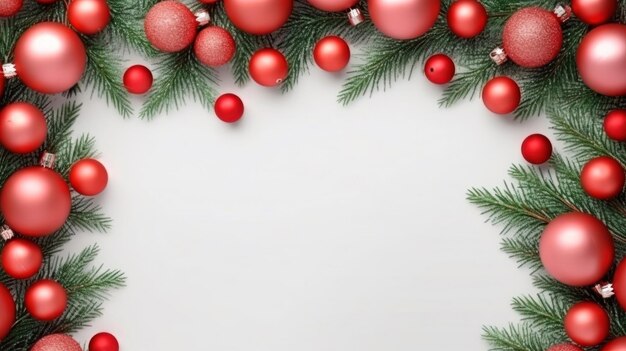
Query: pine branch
column 515, row 338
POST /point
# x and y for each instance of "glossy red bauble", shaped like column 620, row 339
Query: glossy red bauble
column 170, row 26
column 89, row 16
column 331, row 53
column 618, row 344
column 615, row 125
column 619, row 283
column 88, row 177
column 587, row 324
column 501, row 95
column 104, row 342
column 9, row 8
column 21, row 259
column 564, row 347
column 7, row 306
column 601, row 59
column 537, row 149
column 603, row 178
column 258, row 17
column 56, row 342
column 333, row 5
column 23, row 128
column 45, row 300
column 138, row 79
column 467, row 18
column 404, row 19
column 439, row 69
column 268, row 67
column 594, row 12
column 229, row 108
column 214, row 46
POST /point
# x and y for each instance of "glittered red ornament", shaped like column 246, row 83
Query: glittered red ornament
column 170, row 26
column 615, row 125
column 268, row 67
column 501, row 95
column 103, row 342
column 331, row 53
column 619, row 283
column 89, row 16
column 138, row 79
column 618, row 344
column 45, row 300
column 603, row 178
column 532, row 37
column 23, row 128
column 229, row 108
column 601, row 59
column 21, row 258
column 214, row 46
column 587, row 324
column 258, row 17
column 594, row 12
column 9, row 8
column 333, row 5
column 537, row 149
column 467, row 18
column 88, row 177
column 404, row 19
column 439, row 69
column 56, row 342
column 7, row 306
column 564, row 347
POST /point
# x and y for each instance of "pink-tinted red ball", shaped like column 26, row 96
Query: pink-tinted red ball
column 404, row 19
column 268, row 67
column 501, row 95
column 467, row 18
column 104, row 342
column 333, row 5
column 258, row 17
column 331, row 53
column 23, row 128
column 89, row 16
column 170, row 26
column 587, row 324
column 564, row 347
column 46, row 300
column 229, row 108
column 603, row 178
column 88, row 177
column 9, row 8
column 537, row 149
column 138, row 79
column 615, row 125
column 594, row 12
column 56, row 342
column 601, row 59
column 439, row 69
column 7, row 306
column 21, row 258
column 214, row 46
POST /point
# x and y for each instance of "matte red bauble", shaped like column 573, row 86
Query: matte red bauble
column 332, row 54
column 404, row 19
column 501, row 95
column 615, row 125
column 467, row 18
column 138, row 79
column 587, row 324
column 35, row 201
column 258, row 17
column 103, row 342
column 601, row 59
column 333, row 5
column 214, row 46
column 23, row 128
column 50, row 58
column 229, row 108
column 21, row 259
column 88, row 177
column 45, row 300
column 594, row 12
column 564, row 347
column 56, row 342
column 7, row 306
column 170, row 26
column 618, row 344
column 9, row 8
column 439, row 69
column 537, row 149
column 602, row 178
column 576, row 249
column 89, row 16
column 619, row 283
column 268, row 67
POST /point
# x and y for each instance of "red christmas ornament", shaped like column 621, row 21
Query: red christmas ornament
column 46, row 2
column 7, row 306
column 602, row 178
column 587, row 324
column 268, row 67
column 564, row 347
column 258, row 17
column 208, row 2
column 404, row 19
column 619, row 283
column 229, row 108
column 170, row 26
column 214, row 46
column 601, row 59
column 138, row 79
column 2, row 83
column 50, row 58
column 467, row 18
column 615, row 125
column 45, row 300
column 333, row 5
column 103, row 342
column 35, row 201
column 537, row 149
column 594, row 12
column 23, row 128
column 576, row 249
column 21, row 259
column 56, row 342
column 532, row 37
column 331, row 53
column 618, row 344
column 439, row 69
column 88, row 177
column 89, row 16
column 501, row 95
column 9, row 8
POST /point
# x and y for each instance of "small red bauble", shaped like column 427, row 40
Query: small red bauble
column 170, row 26
column 258, row 17
column 615, row 125
column 21, row 259
column 332, row 54
column 564, row 347
column 404, row 19
column 439, row 69
column 602, row 178
column 594, row 12
column 501, row 95
column 214, row 46
column 532, row 37
column 45, row 300
column 601, row 59
column 537, row 149
column 89, row 16
column 587, row 324
column 7, row 306
column 333, row 5
column 138, row 79
column 23, row 128
column 618, row 344
column 46, row 2
column 56, row 342
column 88, row 177
column 9, row 8
column 467, row 18
column 268, row 67
column 103, row 342
column 619, row 283
column 208, row 2
column 229, row 108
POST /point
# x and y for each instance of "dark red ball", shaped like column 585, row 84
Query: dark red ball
column 103, row 342
column 9, row 8
column 618, row 344
column 138, row 79
column 88, row 177
column 439, row 69
column 467, row 18
column 594, row 12
column 229, row 108
column 21, row 259
column 602, row 178
column 46, row 300
column 619, row 283
column 537, row 149
column 587, row 324
column 7, row 306
column 615, row 125
column 89, row 16
column 501, row 95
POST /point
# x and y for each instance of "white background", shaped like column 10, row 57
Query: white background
column 308, row 226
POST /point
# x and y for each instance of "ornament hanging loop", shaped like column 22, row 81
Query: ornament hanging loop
column 604, row 289
column 47, row 160
column 6, row 233
column 563, row 12
column 202, row 17
column 355, row 17
column 8, row 70
column 498, row 55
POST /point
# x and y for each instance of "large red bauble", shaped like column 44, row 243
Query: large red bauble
column 170, row 26
column 23, row 128
column 35, row 201
column 89, row 16
column 258, row 17
column 564, row 347
column 9, row 8
column 602, row 178
column 501, row 95
column 103, row 342
column 138, row 79
column 601, row 59
column 615, row 125
column 594, row 12
column 7, row 306
column 268, row 67
column 45, row 300
column 537, row 149
column 532, row 37
column 56, row 342
column 587, row 324
column 88, row 177
column 333, row 5
column 21, row 259
column 618, row 344
column 331, row 53
column 576, row 249
column 214, row 46
column 467, row 18
column 50, row 58
column 439, row 69
column 619, row 283
column 229, row 108
column 404, row 19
